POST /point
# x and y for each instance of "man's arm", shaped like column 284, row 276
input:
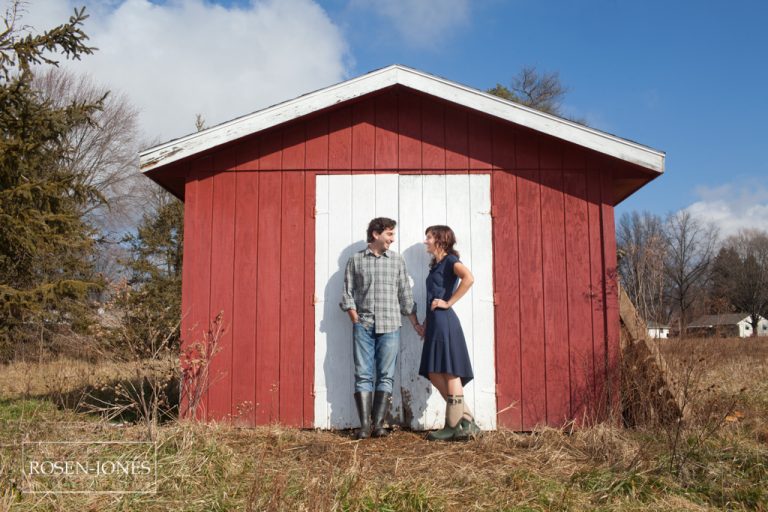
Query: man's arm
column 405, row 297
column 348, row 294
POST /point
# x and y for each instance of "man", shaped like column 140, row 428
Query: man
column 376, row 294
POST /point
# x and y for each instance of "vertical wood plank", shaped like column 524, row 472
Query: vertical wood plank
column 271, row 149
column 597, row 292
column 507, row 315
column 385, row 201
column 458, row 215
column 556, row 344
column 503, row 146
column 409, row 131
column 267, row 298
column 456, row 151
column 317, row 145
column 526, row 150
column 433, row 134
column 483, row 331
column 222, row 276
column 294, row 150
column 308, row 300
column 245, row 286
column 190, row 330
column 202, row 168
column 386, row 131
column 344, row 238
column 534, row 385
column 321, row 411
column 611, row 294
column 340, row 139
column 435, row 211
column 574, row 157
column 550, row 154
column 363, row 135
column 225, row 159
column 579, row 295
column 413, row 404
column 291, row 297
column 479, row 142
column 249, row 154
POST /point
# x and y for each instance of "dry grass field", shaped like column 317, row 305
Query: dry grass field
column 717, row 459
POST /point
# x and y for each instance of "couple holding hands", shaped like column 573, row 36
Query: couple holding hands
column 376, row 294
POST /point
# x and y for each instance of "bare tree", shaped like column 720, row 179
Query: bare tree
column 532, row 88
column 744, row 281
column 690, row 249
column 104, row 153
column 104, row 156
column 641, row 248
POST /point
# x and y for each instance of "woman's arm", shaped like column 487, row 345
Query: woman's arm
column 467, row 280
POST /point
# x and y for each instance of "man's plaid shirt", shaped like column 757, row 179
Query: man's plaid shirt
column 378, row 288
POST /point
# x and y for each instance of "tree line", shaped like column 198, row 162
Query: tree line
column 89, row 249
column 676, row 268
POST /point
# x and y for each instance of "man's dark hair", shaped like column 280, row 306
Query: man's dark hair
column 379, row 225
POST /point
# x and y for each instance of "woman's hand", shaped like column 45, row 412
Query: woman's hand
column 439, row 304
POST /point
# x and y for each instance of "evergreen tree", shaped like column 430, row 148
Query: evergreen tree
column 45, row 246
column 151, row 301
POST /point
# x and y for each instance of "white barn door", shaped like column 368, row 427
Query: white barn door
column 345, row 205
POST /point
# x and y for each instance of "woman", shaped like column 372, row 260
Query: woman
column 444, row 358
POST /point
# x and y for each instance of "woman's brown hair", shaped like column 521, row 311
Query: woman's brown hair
column 445, row 239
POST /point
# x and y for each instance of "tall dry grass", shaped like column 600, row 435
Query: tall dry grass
column 602, row 467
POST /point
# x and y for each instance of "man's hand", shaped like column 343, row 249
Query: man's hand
column 353, row 315
column 419, row 330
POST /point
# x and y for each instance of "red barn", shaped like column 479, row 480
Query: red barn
column 277, row 200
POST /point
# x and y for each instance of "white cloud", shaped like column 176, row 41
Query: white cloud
column 191, row 56
column 422, row 23
column 732, row 207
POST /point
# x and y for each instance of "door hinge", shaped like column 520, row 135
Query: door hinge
column 496, row 299
column 494, row 211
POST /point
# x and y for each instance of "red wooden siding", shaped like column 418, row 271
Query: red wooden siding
column 221, row 291
column 250, row 252
column 509, row 393
column 245, row 285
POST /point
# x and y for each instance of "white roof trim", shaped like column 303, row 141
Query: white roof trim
column 602, row 142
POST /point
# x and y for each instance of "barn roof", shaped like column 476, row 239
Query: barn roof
column 564, row 129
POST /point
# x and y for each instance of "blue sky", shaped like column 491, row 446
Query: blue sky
column 685, row 77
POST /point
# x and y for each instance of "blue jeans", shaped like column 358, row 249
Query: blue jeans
column 375, row 356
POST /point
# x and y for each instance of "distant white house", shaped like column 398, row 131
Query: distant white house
column 732, row 324
column 656, row 330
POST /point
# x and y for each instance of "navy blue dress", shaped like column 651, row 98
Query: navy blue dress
column 445, row 349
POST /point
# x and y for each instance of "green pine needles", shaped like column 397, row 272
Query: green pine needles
column 46, row 248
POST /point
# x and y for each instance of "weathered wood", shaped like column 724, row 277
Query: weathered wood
column 556, row 333
column 267, row 299
column 379, row 80
column 647, row 384
column 553, row 327
column 463, row 201
column 508, row 293
column 533, row 357
column 222, row 273
column 291, row 295
column 245, row 286
column 611, row 304
column 581, row 354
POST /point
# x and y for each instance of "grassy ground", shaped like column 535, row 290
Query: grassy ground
column 717, row 460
